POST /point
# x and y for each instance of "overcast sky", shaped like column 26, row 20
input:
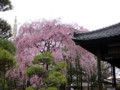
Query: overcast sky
column 91, row 14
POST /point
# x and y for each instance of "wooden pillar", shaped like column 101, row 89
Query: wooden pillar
column 113, row 75
column 99, row 69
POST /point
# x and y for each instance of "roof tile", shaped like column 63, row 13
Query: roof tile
column 110, row 31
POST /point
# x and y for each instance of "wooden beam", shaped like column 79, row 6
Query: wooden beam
column 113, row 75
column 99, row 69
column 114, row 44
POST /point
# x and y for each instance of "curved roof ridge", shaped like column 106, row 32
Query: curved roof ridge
column 108, row 31
column 101, row 29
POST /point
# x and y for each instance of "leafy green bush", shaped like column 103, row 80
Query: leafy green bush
column 7, row 45
column 50, row 72
column 36, row 69
column 55, row 77
column 29, row 88
column 59, row 66
column 45, row 58
column 6, row 60
column 50, row 88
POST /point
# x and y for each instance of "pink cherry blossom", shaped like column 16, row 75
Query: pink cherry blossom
column 49, row 36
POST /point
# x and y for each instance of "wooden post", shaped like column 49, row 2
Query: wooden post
column 113, row 75
column 99, row 69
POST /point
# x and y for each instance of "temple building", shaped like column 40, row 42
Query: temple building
column 105, row 44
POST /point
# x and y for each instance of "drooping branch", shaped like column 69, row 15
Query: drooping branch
column 41, row 36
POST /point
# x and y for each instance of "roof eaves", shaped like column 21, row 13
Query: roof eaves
column 94, row 38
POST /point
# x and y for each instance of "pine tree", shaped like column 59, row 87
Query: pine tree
column 5, row 28
column 5, row 5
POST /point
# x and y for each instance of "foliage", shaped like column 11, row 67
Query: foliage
column 105, row 73
column 59, row 66
column 49, row 36
column 29, row 88
column 7, row 49
column 76, row 75
column 56, row 78
column 45, row 58
column 5, row 5
column 5, row 29
column 7, row 45
column 8, row 83
column 36, row 70
column 49, row 88
column 1, row 82
column 105, row 70
column 93, row 80
column 6, row 60
column 46, row 77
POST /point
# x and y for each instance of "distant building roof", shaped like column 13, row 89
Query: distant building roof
column 109, row 31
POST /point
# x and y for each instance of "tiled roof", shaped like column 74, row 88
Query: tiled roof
column 110, row 31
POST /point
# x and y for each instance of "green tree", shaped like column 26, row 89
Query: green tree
column 7, row 48
column 36, row 69
column 52, row 75
column 8, row 45
column 5, row 5
column 7, row 62
column 44, row 58
column 75, row 74
column 55, row 76
column 5, row 28
column 105, row 73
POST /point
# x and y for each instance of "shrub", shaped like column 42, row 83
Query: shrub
column 29, row 88
column 50, row 88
